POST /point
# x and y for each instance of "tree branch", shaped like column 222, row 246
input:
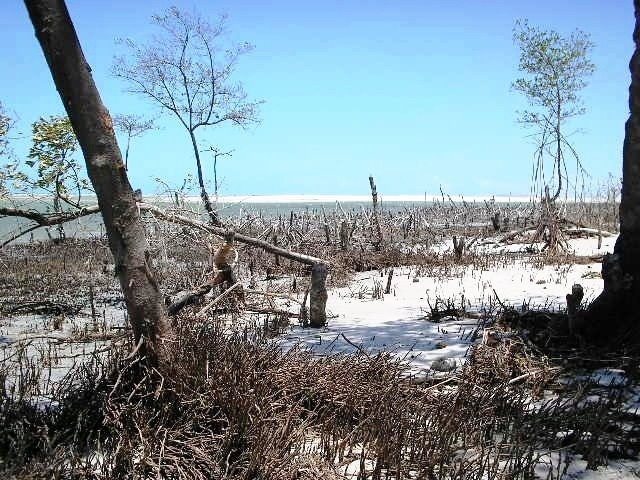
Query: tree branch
column 219, row 231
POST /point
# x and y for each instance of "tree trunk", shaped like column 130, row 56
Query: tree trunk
column 213, row 215
column 376, row 221
column 93, row 126
column 615, row 311
column 126, row 152
column 318, row 296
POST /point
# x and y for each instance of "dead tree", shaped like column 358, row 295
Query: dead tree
column 376, row 220
column 458, row 248
column 574, row 312
column 318, row 296
column 216, row 153
column 345, row 235
column 132, row 126
column 327, row 229
column 387, row 289
column 495, row 221
column 93, row 126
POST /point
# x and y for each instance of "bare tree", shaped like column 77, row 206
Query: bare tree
column 217, row 153
column 5, row 125
column 132, row 126
column 93, row 127
column 186, row 72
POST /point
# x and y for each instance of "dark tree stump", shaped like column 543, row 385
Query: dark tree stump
column 318, row 296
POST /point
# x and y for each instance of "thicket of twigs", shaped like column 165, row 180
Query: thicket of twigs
column 225, row 407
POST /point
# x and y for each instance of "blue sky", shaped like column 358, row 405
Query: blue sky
column 416, row 93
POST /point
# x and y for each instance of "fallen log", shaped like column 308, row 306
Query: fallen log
column 188, row 299
column 589, row 232
column 220, row 232
column 48, row 220
column 43, row 219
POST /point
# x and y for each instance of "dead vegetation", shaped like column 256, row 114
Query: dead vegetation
column 230, row 404
column 226, row 407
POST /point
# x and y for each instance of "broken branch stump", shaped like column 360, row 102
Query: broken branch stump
column 318, row 296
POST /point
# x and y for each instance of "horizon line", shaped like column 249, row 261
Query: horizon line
column 331, row 198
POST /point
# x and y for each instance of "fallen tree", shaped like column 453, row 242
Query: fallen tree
column 220, row 232
column 318, row 275
column 43, row 219
column 318, row 297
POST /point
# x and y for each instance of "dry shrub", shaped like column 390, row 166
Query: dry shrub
column 223, row 407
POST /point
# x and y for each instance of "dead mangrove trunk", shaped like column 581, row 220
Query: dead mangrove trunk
column 318, row 296
column 376, row 220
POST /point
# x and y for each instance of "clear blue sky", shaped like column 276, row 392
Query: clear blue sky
column 416, row 93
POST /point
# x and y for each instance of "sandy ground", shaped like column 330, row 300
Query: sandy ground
column 398, row 321
column 363, row 318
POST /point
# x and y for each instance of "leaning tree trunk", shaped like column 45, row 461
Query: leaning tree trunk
column 618, row 306
column 93, row 126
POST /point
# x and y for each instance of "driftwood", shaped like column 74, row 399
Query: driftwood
column 188, row 299
column 511, row 235
column 273, row 294
column 216, row 300
column 272, row 311
column 589, row 232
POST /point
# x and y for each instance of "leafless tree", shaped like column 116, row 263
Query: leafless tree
column 216, row 154
column 132, row 126
column 93, row 127
column 187, row 72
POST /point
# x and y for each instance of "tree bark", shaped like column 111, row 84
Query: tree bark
column 213, row 215
column 93, row 126
column 615, row 311
column 318, row 296
column 376, row 221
